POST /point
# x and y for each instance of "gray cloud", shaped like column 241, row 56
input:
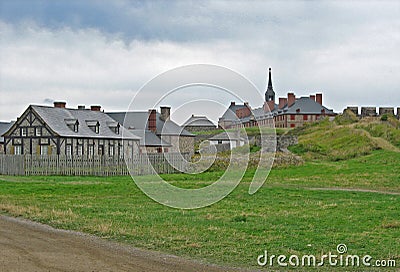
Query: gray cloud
column 102, row 52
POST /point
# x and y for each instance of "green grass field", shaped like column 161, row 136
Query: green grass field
column 299, row 210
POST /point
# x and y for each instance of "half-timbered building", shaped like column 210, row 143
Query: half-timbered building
column 44, row 130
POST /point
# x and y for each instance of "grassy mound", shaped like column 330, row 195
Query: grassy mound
column 346, row 137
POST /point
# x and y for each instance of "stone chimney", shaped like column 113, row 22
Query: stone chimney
column 312, row 97
column 59, row 104
column 282, row 102
column 95, row 108
column 318, row 98
column 165, row 113
column 152, row 121
column 291, row 99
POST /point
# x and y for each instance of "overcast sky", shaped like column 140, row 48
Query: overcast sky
column 102, row 52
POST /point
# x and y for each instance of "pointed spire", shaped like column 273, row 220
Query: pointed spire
column 269, row 93
column 270, row 80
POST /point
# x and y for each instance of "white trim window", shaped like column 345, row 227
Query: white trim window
column 111, row 150
column 17, row 149
column 68, row 150
column 79, row 150
column 91, row 151
column 44, row 149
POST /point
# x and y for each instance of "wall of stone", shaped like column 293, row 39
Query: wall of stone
column 282, row 142
column 386, row 110
column 196, row 128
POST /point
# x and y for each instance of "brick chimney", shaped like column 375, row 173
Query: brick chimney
column 233, row 103
column 59, row 104
column 165, row 113
column 152, row 120
column 312, row 97
column 291, row 99
column 282, row 102
column 81, row 107
column 318, row 98
column 95, row 108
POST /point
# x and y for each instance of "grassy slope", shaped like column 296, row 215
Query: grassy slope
column 286, row 216
column 346, row 138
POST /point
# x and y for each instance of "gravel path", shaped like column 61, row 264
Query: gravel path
column 29, row 246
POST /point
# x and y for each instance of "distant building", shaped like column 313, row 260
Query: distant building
column 4, row 126
column 232, row 138
column 160, row 133
column 58, row 130
column 290, row 111
column 198, row 123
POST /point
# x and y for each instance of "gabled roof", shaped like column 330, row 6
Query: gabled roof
column 59, row 120
column 148, row 138
column 306, row 106
column 198, row 121
column 4, row 127
column 138, row 120
column 230, row 113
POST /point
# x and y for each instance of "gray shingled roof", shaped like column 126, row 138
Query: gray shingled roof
column 198, row 121
column 4, row 127
column 57, row 119
column 306, row 106
column 230, row 113
column 148, row 138
column 138, row 120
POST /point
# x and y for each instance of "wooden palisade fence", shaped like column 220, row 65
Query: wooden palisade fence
column 142, row 164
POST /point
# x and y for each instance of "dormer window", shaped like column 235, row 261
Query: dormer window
column 114, row 126
column 73, row 124
column 94, row 125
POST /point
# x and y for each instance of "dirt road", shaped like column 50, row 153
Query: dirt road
column 29, row 246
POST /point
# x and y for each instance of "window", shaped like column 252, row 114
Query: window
column 111, row 150
column 292, row 125
column 17, row 150
column 292, row 117
column 305, row 117
column 159, row 149
column 23, row 132
column 121, row 151
column 94, row 125
column 44, row 150
column 73, row 124
column 91, row 151
column 101, row 150
column 68, row 150
column 38, row 131
column 79, row 150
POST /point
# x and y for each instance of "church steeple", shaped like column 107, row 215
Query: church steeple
column 269, row 94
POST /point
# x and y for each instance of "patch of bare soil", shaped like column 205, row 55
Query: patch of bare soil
column 29, row 246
